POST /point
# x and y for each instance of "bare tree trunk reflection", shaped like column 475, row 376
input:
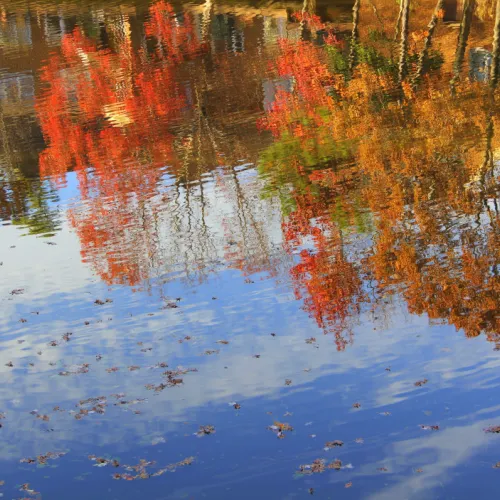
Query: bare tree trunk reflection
column 463, row 36
column 431, row 28
column 496, row 49
column 354, row 35
column 403, row 66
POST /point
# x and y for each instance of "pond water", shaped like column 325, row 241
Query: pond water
column 249, row 249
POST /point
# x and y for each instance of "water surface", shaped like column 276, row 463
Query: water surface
column 249, row 249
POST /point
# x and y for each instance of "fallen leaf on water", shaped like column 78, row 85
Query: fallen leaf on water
column 66, row 337
column 356, row 405
column 388, row 369
column 288, row 381
column 434, row 427
column 10, row 364
column 495, row 429
column 26, row 487
column 205, row 430
column 382, row 469
column 17, row 291
column 316, row 467
column 256, row 356
column 311, row 340
column 170, row 305
column 336, row 464
column 112, row 369
column 497, row 465
column 420, row 383
column 348, row 485
column 273, row 335
column 419, row 470
column 225, row 342
column 311, row 491
column 279, row 428
column 101, row 302
column 235, row 405
column 359, row 440
column 332, row 444
column 42, row 459
column 211, row 351
column 385, row 413
column 133, row 368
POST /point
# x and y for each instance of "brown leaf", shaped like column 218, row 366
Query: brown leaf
column 333, row 444
column 336, row 464
column 420, row 383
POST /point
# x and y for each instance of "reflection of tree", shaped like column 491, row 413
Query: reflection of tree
column 323, row 277
column 106, row 116
column 24, row 201
column 403, row 49
column 437, row 231
column 118, row 116
column 463, row 36
column 431, row 28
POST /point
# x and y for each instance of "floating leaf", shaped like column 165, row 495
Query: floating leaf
column 434, row 427
column 332, row 444
column 420, row 383
column 205, row 430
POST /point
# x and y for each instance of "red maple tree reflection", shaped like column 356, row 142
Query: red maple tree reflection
column 106, row 114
